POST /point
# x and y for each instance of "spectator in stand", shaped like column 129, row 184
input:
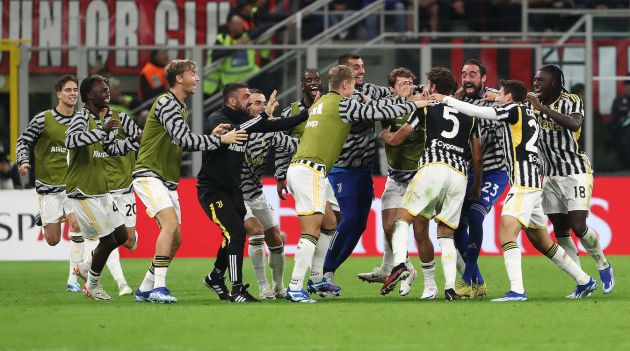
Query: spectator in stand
column 9, row 178
column 152, row 78
column 399, row 20
column 444, row 15
column 311, row 24
column 233, row 65
column 620, row 124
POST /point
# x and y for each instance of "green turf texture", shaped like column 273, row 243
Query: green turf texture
column 36, row 313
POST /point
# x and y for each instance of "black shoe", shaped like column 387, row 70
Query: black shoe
column 450, row 295
column 398, row 273
column 218, row 286
column 38, row 219
column 240, row 294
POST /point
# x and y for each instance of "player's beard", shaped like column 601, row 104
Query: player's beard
column 476, row 92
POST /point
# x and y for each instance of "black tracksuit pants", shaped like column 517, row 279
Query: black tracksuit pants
column 227, row 210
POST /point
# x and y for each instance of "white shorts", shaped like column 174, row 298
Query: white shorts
column 393, row 194
column 437, row 190
column 96, row 215
column 562, row 194
column 53, row 208
column 311, row 189
column 261, row 209
column 526, row 206
column 126, row 204
column 156, row 196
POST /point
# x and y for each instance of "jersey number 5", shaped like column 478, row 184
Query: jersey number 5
column 450, row 114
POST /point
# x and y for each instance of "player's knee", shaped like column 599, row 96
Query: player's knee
column 579, row 226
column 52, row 241
column 388, row 228
column 273, row 237
column 256, row 240
column 52, row 237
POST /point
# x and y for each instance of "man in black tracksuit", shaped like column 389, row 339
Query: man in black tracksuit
column 218, row 187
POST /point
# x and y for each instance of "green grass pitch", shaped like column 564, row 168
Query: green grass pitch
column 37, row 314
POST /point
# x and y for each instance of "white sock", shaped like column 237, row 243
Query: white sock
column 77, row 246
column 400, row 237
column 149, row 281
column 276, row 263
column 512, row 257
column 113, row 264
column 565, row 241
column 160, row 267
column 160, row 277
column 303, row 258
column 449, row 261
column 256, row 252
column 319, row 256
column 564, row 262
column 461, row 265
column 93, row 279
column 388, row 258
column 428, row 271
column 590, row 241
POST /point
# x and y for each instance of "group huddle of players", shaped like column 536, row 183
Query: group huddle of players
column 450, row 151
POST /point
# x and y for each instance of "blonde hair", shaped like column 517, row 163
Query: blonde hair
column 338, row 74
column 178, row 67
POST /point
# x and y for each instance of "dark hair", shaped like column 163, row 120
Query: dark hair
column 230, row 88
column 343, row 59
column 399, row 72
column 88, row 83
column 444, row 80
column 63, row 80
column 176, row 68
column 557, row 76
column 482, row 67
column 256, row 91
column 310, row 70
column 514, row 87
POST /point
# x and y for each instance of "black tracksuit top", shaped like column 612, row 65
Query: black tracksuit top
column 221, row 168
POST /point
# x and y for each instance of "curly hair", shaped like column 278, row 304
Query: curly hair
column 444, row 80
column 88, row 83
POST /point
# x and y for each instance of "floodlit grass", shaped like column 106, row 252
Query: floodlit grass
column 37, row 313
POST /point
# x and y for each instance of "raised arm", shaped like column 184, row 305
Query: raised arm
column 261, row 124
column 27, row 139
column 470, row 109
column 354, row 111
column 169, row 115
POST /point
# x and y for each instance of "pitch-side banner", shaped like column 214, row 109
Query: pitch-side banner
column 103, row 23
column 21, row 239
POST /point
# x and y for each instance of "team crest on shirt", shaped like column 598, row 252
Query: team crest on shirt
column 339, row 187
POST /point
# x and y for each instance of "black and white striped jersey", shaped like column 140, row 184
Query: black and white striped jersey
column 360, row 147
column 79, row 135
column 283, row 159
column 448, row 133
column 27, row 140
column 490, row 134
column 520, row 144
column 559, row 146
column 256, row 153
